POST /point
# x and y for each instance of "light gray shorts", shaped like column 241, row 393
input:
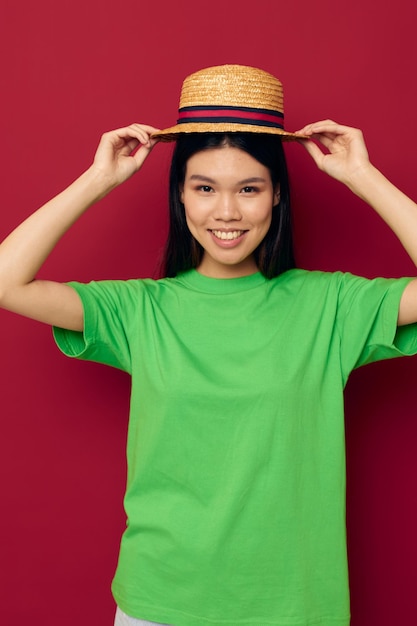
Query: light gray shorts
column 122, row 619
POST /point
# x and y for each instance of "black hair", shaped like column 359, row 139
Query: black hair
column 275, row 253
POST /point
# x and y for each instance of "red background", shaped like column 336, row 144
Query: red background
column 70, row 71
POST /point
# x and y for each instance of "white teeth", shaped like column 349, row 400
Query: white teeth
column 231, row 234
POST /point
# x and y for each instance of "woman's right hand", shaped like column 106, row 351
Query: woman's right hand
column 118, row 156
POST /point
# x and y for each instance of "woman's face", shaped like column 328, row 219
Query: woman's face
column 228, row 199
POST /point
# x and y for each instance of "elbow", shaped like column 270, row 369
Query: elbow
column 9, row 297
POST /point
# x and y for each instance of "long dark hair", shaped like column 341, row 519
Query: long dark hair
column 275, row 253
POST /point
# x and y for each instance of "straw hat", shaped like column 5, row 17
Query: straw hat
column 229, row 98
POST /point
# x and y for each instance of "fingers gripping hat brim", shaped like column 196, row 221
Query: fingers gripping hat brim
column 227, row 99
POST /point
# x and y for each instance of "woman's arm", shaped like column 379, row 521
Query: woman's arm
column 24, row 251
column 347, row 161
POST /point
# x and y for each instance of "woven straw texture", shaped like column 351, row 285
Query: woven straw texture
column 233, row 85
column 229, row 85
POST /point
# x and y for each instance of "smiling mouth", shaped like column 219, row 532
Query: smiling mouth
column 228, row 235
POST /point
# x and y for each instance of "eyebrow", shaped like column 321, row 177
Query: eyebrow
column 245, row 181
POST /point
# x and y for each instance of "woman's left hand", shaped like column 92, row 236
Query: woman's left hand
column 346, row 152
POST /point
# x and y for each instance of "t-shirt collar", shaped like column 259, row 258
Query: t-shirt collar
column 207, row 284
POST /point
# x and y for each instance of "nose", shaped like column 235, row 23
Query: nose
column 227, row 208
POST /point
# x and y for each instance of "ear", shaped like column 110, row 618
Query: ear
column 181, row 194
column 277, row 195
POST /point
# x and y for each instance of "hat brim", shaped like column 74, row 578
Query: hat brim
column 172, row 133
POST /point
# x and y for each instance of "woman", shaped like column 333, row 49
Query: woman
column 235, row 491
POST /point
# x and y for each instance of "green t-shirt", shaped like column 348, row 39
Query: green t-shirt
column 235, row 496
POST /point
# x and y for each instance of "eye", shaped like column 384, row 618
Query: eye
column 249, row 189
column 205, row 188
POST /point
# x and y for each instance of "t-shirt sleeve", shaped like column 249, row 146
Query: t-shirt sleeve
column 107, row 324
column 367, row 321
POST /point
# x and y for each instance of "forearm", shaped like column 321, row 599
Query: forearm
column 24, row 251
column 393, row 206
